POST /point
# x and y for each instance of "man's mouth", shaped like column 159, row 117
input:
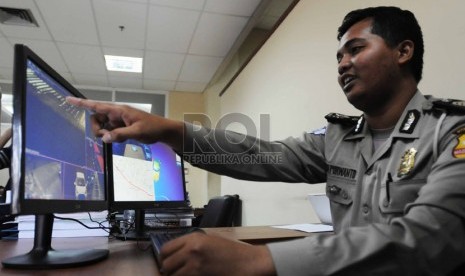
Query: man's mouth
column 347, row 82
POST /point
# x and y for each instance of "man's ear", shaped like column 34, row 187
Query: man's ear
column 405, row 51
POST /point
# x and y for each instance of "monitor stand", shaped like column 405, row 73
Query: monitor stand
column 44, row 256
column 139, row 232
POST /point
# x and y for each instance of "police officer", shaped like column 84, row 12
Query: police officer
column 395, row 175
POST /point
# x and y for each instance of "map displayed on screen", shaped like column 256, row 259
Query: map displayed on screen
column 144, row 172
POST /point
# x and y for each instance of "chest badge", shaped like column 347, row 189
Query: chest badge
column 407, row 162
column 459, row 150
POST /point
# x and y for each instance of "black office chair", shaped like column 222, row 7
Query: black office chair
column 222, row 211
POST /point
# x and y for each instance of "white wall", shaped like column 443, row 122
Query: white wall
column 293, row 78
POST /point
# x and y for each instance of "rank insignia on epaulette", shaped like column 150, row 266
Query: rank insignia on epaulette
column 337, row 118
column 410, row 121
column 450, row 104
column 459, row 149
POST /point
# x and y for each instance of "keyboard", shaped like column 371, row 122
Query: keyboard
column 160, row 237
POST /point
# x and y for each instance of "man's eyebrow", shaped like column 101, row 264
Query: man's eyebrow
column 350, row 43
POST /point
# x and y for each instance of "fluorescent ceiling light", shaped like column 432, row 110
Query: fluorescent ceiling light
column 123, row 64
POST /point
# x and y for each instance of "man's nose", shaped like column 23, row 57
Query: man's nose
column 344, row 65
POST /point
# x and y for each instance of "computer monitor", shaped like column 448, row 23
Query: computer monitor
column 145, row 178
column 57, row 163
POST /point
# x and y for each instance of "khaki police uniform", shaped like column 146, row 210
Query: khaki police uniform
column 398, row 210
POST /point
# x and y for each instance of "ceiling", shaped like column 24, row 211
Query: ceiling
column 183, row 42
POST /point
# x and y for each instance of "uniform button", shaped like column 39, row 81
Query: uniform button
column 334, row 189
column 365, row 209
column 369, row 171
column 345, row 195
column 385, row 203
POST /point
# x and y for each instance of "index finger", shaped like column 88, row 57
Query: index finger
column 80, row 102
column 95, row 106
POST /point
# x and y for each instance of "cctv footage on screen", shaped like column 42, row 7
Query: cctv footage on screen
column 64, row 161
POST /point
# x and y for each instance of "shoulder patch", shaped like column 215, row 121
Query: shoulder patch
column 341, row 119
column 459, row 149
column 450, row 105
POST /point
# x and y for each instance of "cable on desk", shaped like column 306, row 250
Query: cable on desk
column 104, row 228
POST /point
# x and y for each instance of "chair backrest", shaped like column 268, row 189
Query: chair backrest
column 222, row 211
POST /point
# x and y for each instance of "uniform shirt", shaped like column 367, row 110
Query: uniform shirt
column 399, row 209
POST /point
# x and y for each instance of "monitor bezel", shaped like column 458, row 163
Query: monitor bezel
column 21, row 205
column 147, row 206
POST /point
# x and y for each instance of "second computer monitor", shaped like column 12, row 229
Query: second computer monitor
column 146, row 177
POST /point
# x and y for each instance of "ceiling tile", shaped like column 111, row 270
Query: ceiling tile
column 73, row 23
column 91, row 79
column 199, row 68
column 6, row 54
column 216, row 34
column 170, row 29
column 6, row 73
column 136, row 1
column 47, row 50
column 151, row 84
column 186, row 4
column 182, row 41
column 190, row 86
column 83, row 59
column 131, row 82
column 123, row 52
column 236, row 7
column 162, row 66
column 113, row 14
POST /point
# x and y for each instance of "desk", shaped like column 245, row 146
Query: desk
column 132, row 257
column 256, row 234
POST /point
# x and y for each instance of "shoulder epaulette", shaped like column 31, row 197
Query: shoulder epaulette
column 336, row 118
column 449, row 105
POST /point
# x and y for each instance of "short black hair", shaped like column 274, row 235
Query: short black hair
column 394, row 25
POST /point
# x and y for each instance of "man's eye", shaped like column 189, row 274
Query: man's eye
column 356, row 49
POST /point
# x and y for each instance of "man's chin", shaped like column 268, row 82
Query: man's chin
column 356, row 99
column 351, row 96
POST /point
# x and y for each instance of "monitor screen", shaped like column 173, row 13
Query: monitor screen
column 58, row 165
column 148, row 175
column 147, row 178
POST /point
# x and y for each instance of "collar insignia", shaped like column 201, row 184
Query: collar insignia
column 407, row 162
column 358, row 128
column 410, row 121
